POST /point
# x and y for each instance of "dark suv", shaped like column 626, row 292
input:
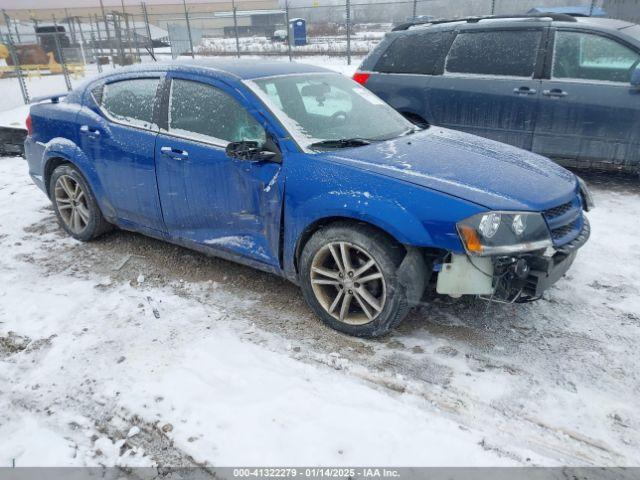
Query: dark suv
column 564, row 87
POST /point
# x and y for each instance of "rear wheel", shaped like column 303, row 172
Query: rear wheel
column 348, row 277
column 75, row 205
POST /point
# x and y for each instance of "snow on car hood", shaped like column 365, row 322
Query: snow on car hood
column 489, row 173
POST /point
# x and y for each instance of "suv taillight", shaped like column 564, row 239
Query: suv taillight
column 29, row 125
column 361, row 77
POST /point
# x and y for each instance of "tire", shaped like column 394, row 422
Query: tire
column 75, row 205
column 326, row 292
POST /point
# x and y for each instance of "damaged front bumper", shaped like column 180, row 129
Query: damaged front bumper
column 514, row 278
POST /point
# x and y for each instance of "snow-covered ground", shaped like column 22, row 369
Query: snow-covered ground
column 130, row 351
column 361, row 43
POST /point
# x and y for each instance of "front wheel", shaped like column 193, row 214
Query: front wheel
column 348, row 276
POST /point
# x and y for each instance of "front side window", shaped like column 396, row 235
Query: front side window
column 324, row 107
column 415, row 53
column 509, row 53
column 206, row 113
column 131, row 101
column 584, row 56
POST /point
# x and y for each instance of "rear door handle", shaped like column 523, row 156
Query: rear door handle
column 89, row 132
column 554, row 92
column 525, row 91
column 174, row 153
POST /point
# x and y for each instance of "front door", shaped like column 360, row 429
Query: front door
column 207, row 197
column 588, row 109
column 488, row 86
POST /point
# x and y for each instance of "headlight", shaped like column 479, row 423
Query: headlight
column 496, row 233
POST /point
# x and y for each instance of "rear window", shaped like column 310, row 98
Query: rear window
column 131, row 101
column 510, row 53
column 414, row 53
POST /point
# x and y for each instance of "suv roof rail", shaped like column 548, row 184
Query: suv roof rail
column 558, row 17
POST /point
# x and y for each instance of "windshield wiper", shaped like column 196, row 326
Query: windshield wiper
column 341, row 143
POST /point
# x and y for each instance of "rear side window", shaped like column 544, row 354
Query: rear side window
column 510, row 53
column 413, row 53
column 206, row 113
column 131, row 101
column 583, row 56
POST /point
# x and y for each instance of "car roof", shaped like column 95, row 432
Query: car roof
column 236, row 68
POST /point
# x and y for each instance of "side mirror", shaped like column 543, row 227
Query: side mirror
column 250, row 151
column 635, row 77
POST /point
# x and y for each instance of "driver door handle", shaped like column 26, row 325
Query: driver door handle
column 555, row 92
column 89, row 132
column 524, row 91
column 174, row 153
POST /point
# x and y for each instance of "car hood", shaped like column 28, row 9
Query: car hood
column 482, row 171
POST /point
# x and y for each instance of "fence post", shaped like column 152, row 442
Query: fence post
column 288, row 30
column 82, row 42
column 65, row 72
column 99, row 44
column 106, row 28
column 235, row 27
column 186, row 16
column 493, row 7
column 146, row 22
column 593, row 6
column 94, row 46
column 15, row 59
column 126, row 26
column 348, row 5
column 415, row 10
column 72, row 29
column 136, row 43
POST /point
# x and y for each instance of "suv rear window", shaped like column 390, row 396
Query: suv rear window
column 510, row 53
column 413, row 53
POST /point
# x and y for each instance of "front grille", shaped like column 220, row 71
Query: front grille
column 559, row 210
column 565, row 221
column 558, row 233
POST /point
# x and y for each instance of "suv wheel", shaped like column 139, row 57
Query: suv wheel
column 348, row 277
column 75, row 205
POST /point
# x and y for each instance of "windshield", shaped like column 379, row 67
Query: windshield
column 324, row 108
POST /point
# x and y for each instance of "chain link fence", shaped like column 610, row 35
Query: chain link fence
column 72, row 47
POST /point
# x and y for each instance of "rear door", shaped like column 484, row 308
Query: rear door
column 118, row 132
column 207, row 197
column 489, row 86
column 588, row 109
column 401, row 74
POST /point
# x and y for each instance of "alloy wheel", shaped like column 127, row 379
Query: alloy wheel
column 348, row 283
column 71, row 201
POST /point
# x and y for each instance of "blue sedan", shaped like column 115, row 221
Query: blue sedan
column 302, row 172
